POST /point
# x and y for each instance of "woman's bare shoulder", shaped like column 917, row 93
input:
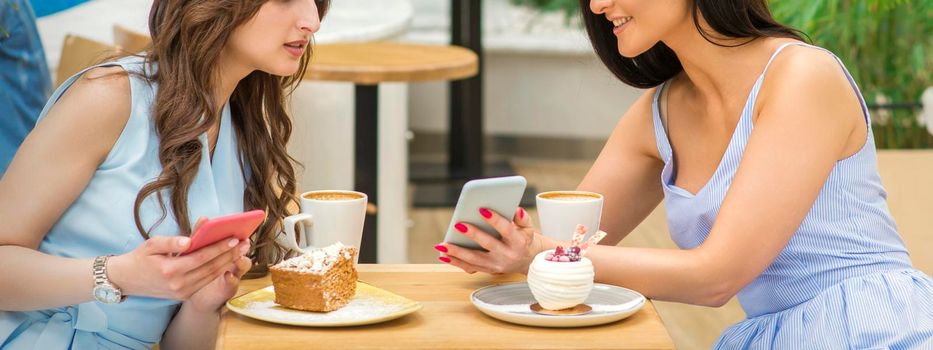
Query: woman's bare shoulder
column 97, row 106
column 808, row 86
column 802, row 71
column 642, row 115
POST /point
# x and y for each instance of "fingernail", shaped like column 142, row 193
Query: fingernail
column 461, row 227
column 233, row 242
column 244, row 249
column 485, row 213
column 444, row 259
column 183, row 241
column 521, row 213
column 440, row 248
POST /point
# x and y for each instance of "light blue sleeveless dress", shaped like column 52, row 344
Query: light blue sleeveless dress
column 844, row 281
column 100, row 222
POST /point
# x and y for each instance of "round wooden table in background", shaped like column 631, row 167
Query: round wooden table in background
column 378, row 62
column 367, row 65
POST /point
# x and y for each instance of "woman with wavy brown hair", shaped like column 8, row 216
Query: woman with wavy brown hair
column 125, row 158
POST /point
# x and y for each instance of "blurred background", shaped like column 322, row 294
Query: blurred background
column 541, row 106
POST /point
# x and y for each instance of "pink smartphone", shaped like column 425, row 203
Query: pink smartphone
column 239, row 226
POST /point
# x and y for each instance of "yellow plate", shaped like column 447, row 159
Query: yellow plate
column 370, row 305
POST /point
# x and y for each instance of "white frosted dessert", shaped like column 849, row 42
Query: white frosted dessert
column 559, row 281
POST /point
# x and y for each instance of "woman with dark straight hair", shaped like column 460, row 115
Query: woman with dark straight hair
column 760, row 147
column 125, row 159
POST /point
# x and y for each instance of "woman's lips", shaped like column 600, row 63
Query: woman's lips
column 619, row 24
column 295, row 51
column 296, row 48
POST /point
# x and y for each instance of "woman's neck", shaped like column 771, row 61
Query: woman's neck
column 718, row 74
column 229, row 75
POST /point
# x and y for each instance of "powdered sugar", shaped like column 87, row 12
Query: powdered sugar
column 318, row 260
column 361, row 307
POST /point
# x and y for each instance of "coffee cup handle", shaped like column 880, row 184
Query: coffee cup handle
column 288, row 238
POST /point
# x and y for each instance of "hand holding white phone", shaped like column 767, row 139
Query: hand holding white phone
column 501, row 195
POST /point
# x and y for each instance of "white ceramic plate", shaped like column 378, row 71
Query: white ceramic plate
column 511, row 302
column 370, row 305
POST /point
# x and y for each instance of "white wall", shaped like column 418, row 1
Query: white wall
column 526, row 95
column 540, row 76
column 322, row 139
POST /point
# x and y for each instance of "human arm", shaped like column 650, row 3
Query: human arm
column 53, row 166
column 626, row 173
column 787, row 160
column 807, row 120
column 195, row 324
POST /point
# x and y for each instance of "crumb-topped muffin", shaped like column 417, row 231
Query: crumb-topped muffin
column 322, row 279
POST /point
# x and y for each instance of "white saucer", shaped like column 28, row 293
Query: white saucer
column 511, row 302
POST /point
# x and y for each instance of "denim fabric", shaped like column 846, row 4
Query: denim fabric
column 25, row 83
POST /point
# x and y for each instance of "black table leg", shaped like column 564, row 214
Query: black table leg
column 465, row 144
column 366, row 176
column 438, row 185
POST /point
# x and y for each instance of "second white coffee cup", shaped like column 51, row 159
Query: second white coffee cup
column 559, row 212
column 326, row 217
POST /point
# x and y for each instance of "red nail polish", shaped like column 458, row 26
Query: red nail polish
column 440, row 248
column 461, row 227
column 444, row 259
column 485, row 213
column 521, row 213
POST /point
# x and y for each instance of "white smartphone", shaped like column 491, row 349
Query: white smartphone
column 499, row 194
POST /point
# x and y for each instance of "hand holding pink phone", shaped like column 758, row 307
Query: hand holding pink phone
column 239, row 226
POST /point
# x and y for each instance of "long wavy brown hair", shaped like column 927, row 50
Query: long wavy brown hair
column 186, row 35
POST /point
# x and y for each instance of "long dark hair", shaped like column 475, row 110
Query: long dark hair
column 730, row 19
column 185, row 37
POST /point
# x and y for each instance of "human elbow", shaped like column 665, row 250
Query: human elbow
column 717, row 293
column 717, row 300
column 715, row 280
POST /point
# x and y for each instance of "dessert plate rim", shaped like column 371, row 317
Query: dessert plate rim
column 240, row 304
column 533, row 319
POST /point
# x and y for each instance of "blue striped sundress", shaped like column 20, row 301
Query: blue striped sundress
column 844, row 280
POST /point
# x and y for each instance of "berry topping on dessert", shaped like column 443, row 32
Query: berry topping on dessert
column 577, row 248
column 562, row 255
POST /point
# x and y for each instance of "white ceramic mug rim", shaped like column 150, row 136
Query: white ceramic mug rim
column 305, row 194
column 585, row 193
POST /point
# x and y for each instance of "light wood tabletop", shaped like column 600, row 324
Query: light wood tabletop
column 447, row 321
column 373, row 63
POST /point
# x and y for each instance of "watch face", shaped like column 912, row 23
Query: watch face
column 106, row 294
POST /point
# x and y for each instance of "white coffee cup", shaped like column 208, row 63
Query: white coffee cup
column 559, row 212
column 326, row 217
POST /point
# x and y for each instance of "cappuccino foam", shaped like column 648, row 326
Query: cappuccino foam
column 570, row 196
column 332, row 196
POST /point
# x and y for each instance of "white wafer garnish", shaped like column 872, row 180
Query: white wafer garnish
column 578, row 235
column 594, row 239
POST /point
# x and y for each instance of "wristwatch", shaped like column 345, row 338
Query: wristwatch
column 104, row 290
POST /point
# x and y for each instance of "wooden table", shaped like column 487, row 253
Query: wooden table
column 447, row 321
column 366, row 65
column 378, row 62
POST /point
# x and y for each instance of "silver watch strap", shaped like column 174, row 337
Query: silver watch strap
column 100, row 270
